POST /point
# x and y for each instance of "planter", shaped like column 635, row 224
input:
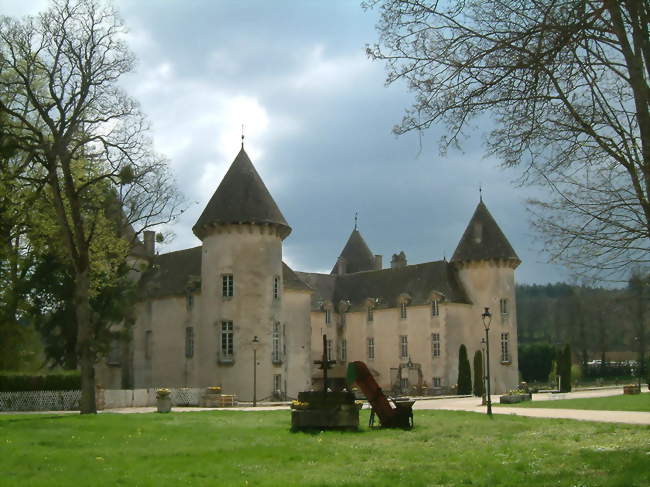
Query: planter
column 164, row 404
column 515, row 398
column 631, row 390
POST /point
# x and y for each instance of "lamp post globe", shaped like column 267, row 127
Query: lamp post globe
column 487, row 321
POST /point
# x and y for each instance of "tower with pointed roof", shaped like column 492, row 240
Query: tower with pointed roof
column 485, row 262
column 241, row 230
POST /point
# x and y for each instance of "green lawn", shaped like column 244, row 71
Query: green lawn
column 233, row 448
column 638, row 402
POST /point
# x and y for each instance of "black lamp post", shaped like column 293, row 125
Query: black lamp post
column 487, row 321
column 483, row 399
column 255, row 342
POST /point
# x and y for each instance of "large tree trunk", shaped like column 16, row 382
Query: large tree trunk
column 85, row 347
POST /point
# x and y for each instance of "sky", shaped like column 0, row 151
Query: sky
column 318, row 121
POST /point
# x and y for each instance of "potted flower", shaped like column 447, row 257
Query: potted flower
column 214, row 390
column 299, row 405
column 164, row 400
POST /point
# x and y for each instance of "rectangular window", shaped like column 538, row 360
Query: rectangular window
column 435, row 310
column 403, row 346
column 402, row 311
column 328, row 316
column 503, row 306
column 371, row 348
column 189, row 342
column 435, row 345
column 148, row 344
column 189, row 301
column 404, row 384
column 276, row 343
column 505, row 353
column 276, row 287
column 228, row 285
column 329, row 349
column 371, row 315
column 344, row 350
column 437, row 382
column 277, row 385
column 114, row 353
column 226, row 339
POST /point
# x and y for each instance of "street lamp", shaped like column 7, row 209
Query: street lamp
column 255, row 342
column 487, row 321
column 483, row 399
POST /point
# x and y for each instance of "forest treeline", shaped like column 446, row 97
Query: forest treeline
column 598, row 323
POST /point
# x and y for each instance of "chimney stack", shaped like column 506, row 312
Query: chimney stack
column 398, row 261
column 340, row 266
column 150, row 242
column 378, row 262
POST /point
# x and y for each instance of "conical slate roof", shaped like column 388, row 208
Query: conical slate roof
column 357, row 255
column 241, row 197
column 483, row 239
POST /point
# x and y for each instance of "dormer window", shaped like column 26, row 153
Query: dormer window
column 228, row 285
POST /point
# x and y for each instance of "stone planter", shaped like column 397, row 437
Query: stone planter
column 164, row 404
column 515, row 398
column 631, row 390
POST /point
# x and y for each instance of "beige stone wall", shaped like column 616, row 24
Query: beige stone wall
column 297, row 361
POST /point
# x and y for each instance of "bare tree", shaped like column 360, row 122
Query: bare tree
column 84, row 137
column 565, row 83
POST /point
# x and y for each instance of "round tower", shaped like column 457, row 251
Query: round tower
column 242, row 230
column 485, row 262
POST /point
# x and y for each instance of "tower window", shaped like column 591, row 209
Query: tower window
column 505, row 352
column 435, row 345
column 276, row 356
column 189, row 342
column 226, row 338
column 276, row 287
column 371, row 348
column 228, row 285
column 403, row 346
column 503, row 306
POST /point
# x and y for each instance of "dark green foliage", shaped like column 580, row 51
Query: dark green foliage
column 479, row 388
column 535, row 361
column 66, row 381
column 464, row 372
column 564, row 368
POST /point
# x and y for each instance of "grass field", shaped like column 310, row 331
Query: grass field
column 638, row 402
column 233, row 448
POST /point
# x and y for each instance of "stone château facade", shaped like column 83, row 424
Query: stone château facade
column 205, row 312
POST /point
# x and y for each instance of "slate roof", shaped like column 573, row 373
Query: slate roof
column 357, row 255
column 174, row 273
column 483, row 239
column 418, row 281
column 241, row 197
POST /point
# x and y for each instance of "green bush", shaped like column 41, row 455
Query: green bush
column 479, row 388
column 464, row 372
column 535, row 361
column 61, row 381
column 564, row 368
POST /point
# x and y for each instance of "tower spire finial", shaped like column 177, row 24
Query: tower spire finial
column 242, row 135
column 356, row 215
column 480, row 192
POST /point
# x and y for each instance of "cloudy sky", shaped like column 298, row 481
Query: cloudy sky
column 317, row 118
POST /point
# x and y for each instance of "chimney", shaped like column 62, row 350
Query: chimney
column 398, row 260
column 150, row 242
column 340, row 266
column 378, row 262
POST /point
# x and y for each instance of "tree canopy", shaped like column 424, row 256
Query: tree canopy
column 565, row 83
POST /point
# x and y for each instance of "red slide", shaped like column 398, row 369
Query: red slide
column 400, row 416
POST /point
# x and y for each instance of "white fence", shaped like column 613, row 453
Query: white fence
column 106, row 399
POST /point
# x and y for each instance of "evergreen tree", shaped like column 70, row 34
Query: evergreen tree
column 479, row 388
column 564, row 368
column 464, row 372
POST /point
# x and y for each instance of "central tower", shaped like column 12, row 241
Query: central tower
column 242, row 230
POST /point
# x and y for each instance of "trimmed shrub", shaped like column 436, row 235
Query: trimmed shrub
column 535, row 361
column 464, row 372
column 564, row 368
column 63, row 381
column 479, row 387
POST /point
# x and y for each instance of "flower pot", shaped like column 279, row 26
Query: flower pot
column 164, row 404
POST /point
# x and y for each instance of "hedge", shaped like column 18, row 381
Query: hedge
column 63, row 381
